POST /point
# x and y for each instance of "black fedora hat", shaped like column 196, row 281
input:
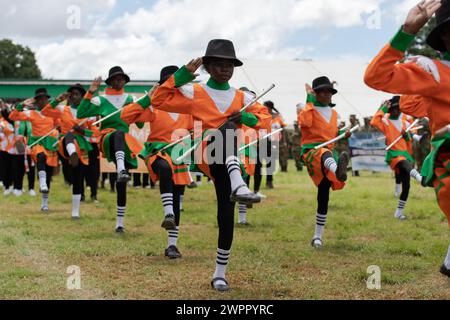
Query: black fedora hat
column 41, row 92
column 221, row 48
column 442, row 19
column 322, row 83
column 78, row 87
column 166, row 73
column 116, row 71
column 395, row 102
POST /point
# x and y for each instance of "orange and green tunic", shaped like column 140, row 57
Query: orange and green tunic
column 41, row 125
column 7, row 137
column 424, row 96
column 392, row 129
column 165, row 128
column 102, row 106
column 68, row 117
column 211, row 104
column 319, row 124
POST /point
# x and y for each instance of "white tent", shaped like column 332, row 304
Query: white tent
column 354, row 96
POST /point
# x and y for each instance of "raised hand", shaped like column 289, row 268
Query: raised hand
column 420, row 15
column 95, row 85
column 309, row 89
column 29, row 102
column 62, row 97
column 193, row 66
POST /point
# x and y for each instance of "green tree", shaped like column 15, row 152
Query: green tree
column 420, row 47
column 17, row 62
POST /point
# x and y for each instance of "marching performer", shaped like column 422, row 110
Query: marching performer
column 43, row 152
column 73, row 145
column 116, row 144
column 425, row 84
column 319, row 124
column 218, row 106
column 399, row 157
column 161, row 164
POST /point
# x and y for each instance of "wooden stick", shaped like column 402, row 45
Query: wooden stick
column 340, row 137
column 400, row 138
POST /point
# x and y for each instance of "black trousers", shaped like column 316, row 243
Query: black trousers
column 323, row 192
column 92, row 171
column 117, row 143
column 7, row 169
column 19, row 172
column 405, row 177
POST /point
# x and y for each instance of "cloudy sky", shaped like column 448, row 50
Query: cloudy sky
column 144, row 35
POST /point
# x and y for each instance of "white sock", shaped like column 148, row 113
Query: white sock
column 242, row 213
column 401, row 206
column 167, row 200
column 415, row 174
column 221, row 264
column 44, row 200
column 71, row 149
column 398, row 189
column 331, row 165
column 76, row 199
column 120, row 216
column 321, row 220
column 447, row 259
column 120, row 160
column 181, row 201
column 42, row 180
column 234, row 171
column 173, row 237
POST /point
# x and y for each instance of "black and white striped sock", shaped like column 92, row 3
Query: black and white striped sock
column 120, row 216
column 234, row 171
column 120, row 160
column 181, row 201
column 44, row 200
column 242, row 213
column 173, row 237
column 167, row 200
column 321, row 220
column 416, row 175
column 401, row 206
column 221, row 263
column 331, row 165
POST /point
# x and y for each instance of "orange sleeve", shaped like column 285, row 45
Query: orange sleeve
column 386, row 74
column 263, row 115
column 134, row 112
column 305, row 118
column 416, row 106
column 18, row 116
column 51, row 112
column 377, row 120
column 170, row 97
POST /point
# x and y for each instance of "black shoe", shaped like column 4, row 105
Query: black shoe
column 318, row 244
column 445, row 271
column 249, row 206
column 123, row 176
column 74, row 161
column 192, row 185
column 83, row 198
column 269, row 185
column 341, row 172
column 169, row 222
column 423, row 183
column 247, row 198
column 172, row 253
column 120, row 230
column 220, row 287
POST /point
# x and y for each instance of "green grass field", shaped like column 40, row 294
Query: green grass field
column 271, row 259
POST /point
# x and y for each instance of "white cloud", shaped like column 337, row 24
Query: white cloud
column 174, row 31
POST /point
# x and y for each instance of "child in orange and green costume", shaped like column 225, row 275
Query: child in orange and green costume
column 319, row 124
column 218, row 106
column 426, row 87
column 44, row 153
column 162, row 164
column 73, row 144
column 399, row 157
column 116, row 144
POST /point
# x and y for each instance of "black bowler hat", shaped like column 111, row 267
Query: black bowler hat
column 41, row 92
column 116, row 71
column 224, row 49
column 78, row 87
column 322, row 83
column 442, row 19
column 166, row 73
column 395, row 102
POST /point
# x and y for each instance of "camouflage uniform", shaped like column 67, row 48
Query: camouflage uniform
column 297, row 148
